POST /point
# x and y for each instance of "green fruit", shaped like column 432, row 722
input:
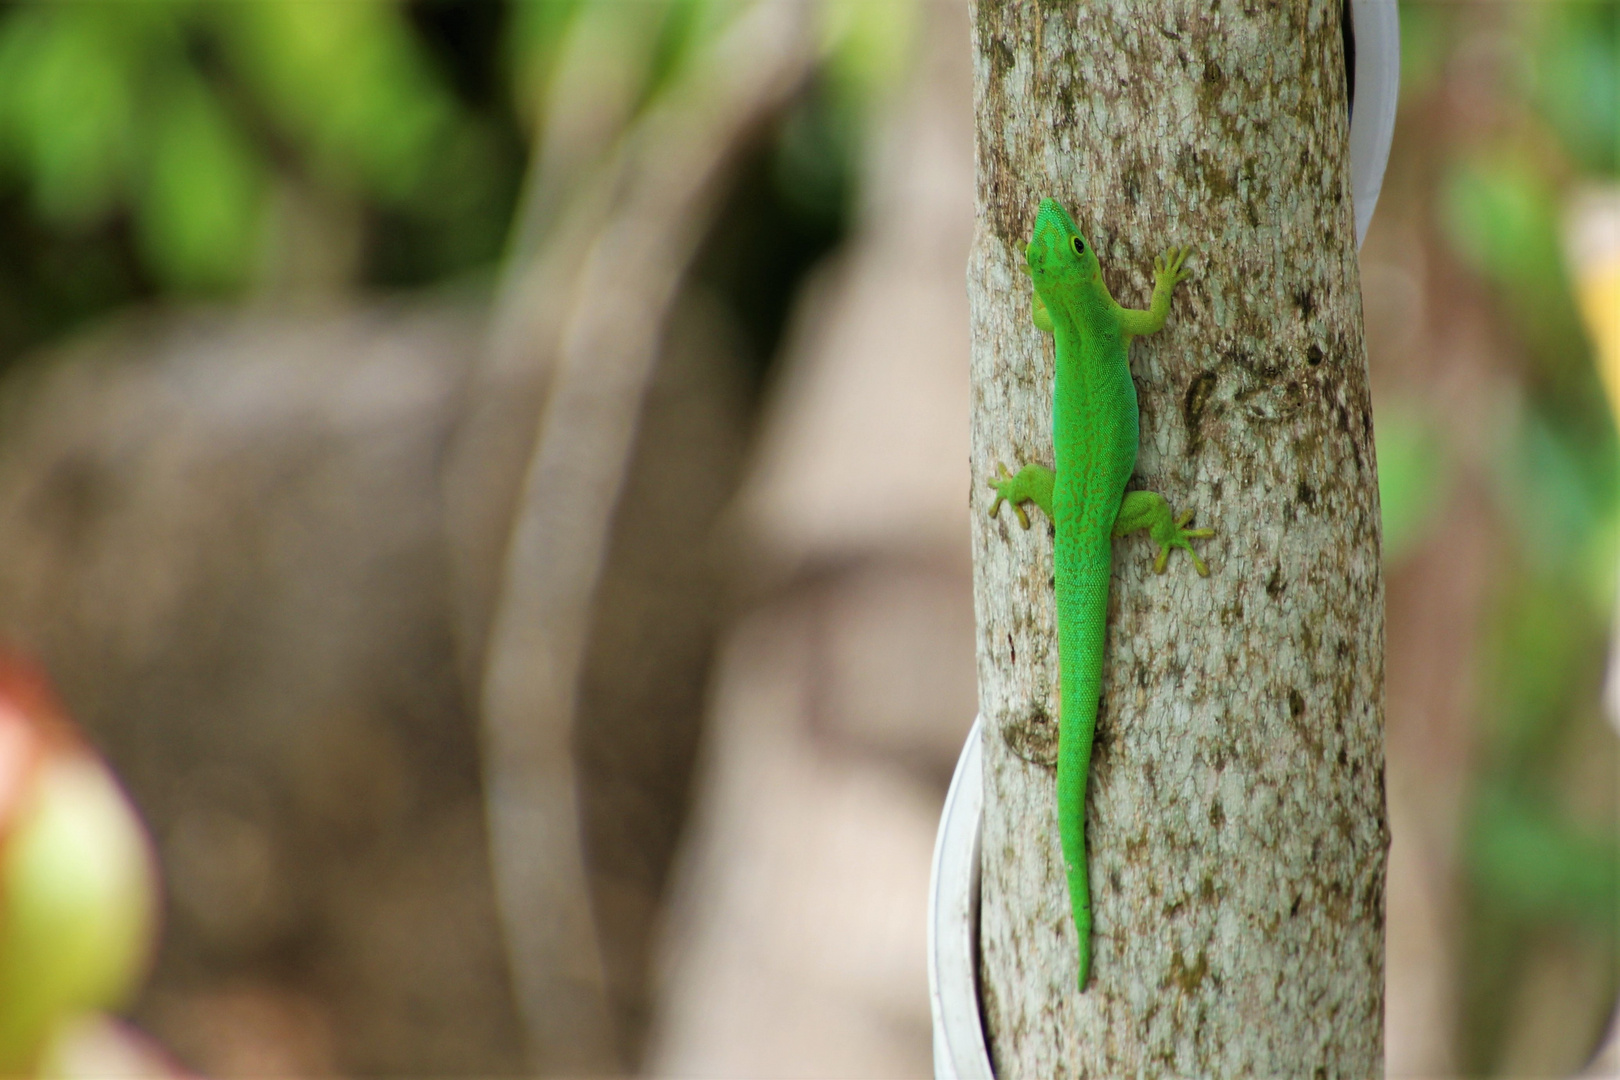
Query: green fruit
column 77, row 903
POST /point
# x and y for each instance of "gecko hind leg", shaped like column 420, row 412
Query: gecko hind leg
column 1032, row 484
column 1148, row 510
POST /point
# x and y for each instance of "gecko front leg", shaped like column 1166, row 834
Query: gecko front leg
column 1168, row 270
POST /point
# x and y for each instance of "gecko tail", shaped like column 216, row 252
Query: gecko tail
column 1083, row 925
column 1082, row 614
column 1074, row 762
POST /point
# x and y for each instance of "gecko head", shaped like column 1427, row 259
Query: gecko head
column 1058, row 254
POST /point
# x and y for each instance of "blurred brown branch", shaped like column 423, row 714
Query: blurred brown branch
column 590, row 310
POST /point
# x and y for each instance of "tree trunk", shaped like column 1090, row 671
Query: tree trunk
column 1235, row 818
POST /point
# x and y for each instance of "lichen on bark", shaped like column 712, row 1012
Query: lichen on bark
column 1235, row 813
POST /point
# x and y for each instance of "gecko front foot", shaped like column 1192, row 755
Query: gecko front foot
column 1168, row 268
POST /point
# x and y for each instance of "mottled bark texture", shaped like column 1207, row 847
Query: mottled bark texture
column 1236, row 810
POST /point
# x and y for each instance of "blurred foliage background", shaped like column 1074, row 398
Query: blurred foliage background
column 297, row 154
column 306, row 195
column 187, row 149
column 191, row 149
column 1497, row 458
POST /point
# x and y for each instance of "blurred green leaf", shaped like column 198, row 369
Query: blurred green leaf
column 869, row 43
column 1553, row 486
column 534, row 39
column 67, row 107
column 645, row 43
column 1537, row 864
column 688, row 27
column 348, row 84
column 1426, row 34
column 173, row 123
column 1578, row 79
column 1541, row 660
column 200, row 214
column 1499, row 210
column 1500, row 217
column 160, row 142
column 1412, row 476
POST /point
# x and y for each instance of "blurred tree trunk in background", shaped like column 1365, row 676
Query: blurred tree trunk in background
column 227, row 545
column 1235, row 820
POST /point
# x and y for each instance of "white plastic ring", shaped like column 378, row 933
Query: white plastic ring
column 960, row 1050
column 1377, row 29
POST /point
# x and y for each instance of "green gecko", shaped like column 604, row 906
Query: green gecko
column 1094, row 437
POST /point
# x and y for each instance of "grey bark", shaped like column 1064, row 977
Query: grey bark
column 1235, row 813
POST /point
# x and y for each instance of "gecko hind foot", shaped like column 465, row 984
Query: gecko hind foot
column 1147, row 511
column 1179, row 536
column 1002, row 482
column 1032, row 484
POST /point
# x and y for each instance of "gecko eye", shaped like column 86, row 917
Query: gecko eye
column 1078, row 244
